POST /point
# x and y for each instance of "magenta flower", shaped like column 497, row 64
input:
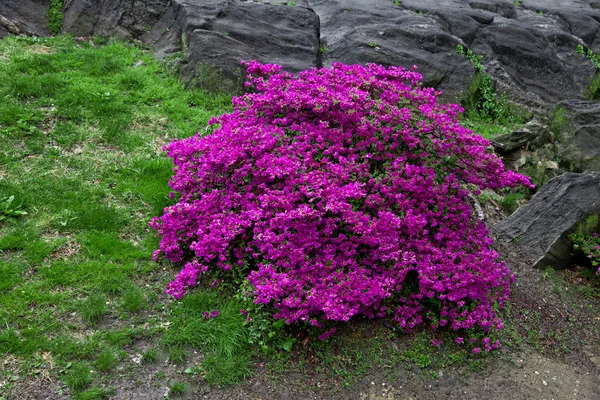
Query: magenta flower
column 326, row 334
column 212, row 314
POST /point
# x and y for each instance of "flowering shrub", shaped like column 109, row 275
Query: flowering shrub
column 340, row 192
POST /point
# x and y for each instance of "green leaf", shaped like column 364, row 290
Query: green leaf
column 287, row 344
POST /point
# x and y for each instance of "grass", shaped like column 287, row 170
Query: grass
column 79, row 376
column 81, row 173
column 150, row 356
column 106, row 360
column 488, row 129
column 177, row 389
column 226, row 336
column 55, row 16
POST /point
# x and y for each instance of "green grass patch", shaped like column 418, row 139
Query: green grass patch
column 106, row 360
column 177, row 389
column 224, row 337
column 81, row 174
column 79, row 376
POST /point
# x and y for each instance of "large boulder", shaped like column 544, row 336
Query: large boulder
column 127, row 19
column 216, row 35
column 24, row 17
column 541, row 227
column 577, row 134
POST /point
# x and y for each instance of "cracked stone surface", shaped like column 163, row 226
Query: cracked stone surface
column 529, row 49
column 24, row 17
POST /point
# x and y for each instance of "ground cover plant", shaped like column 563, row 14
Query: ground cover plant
column 337, row 193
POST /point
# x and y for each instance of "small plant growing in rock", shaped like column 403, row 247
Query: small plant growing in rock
column 372, row 44
column 480, row 100
column 336, row 193
column 55, row 16
column 586, row 240
column 594, row 89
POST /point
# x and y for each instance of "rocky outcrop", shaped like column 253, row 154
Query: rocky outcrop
column 127, row 19
column 529, row 49
column 24, row 17
column 360, row 32
column 216, row 35
column 577, row 125
column 541, row 227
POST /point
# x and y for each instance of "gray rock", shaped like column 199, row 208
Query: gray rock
column 122, row 18
column 24, row 17
column 512, row 141
column 216, row 36
column 541, row 227
column 578, row 136
column 530, row 54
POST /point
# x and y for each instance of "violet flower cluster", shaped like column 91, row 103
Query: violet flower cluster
column 341, row 192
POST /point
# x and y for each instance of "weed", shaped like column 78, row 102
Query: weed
column 93, row 308
column 106, row 360
column 586, row 240
column 177, row 389
column 150, row 356
column 558, row 122
column 480, row 100
column 372, row 44
column 518, row 3
column 323, row 50
column 8, row 209
column 79, row 376
column 588, row 226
